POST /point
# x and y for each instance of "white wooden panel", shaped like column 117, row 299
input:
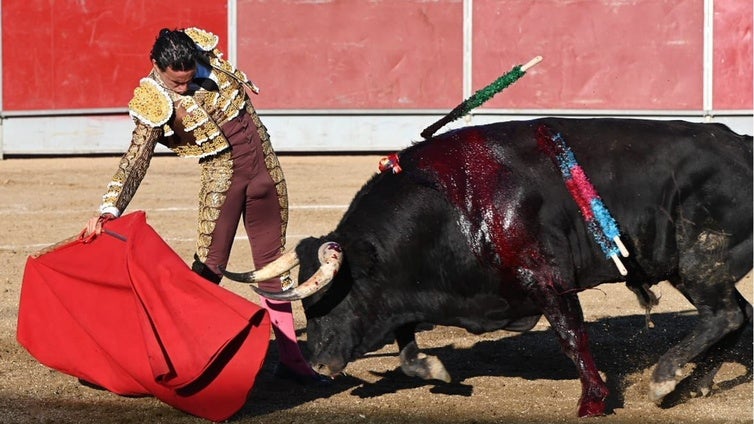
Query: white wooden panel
column 111, row 134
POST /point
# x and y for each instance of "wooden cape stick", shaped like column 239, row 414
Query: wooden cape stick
column 55, row 246
column 69, row 240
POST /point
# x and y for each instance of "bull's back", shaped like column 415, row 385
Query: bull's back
column 664, row 181
column 652, row 175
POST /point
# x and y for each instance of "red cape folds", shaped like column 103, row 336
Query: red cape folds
column 125, row 312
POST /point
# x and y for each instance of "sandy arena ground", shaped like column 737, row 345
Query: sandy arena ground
column 499, row 377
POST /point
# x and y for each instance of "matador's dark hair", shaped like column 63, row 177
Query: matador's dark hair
column 175, row 49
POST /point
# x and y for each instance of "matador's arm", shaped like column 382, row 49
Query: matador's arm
column 131, row 169
column 151, row 107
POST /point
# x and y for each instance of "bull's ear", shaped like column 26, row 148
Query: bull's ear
column 307, row 249
column 308, row 246
column 362, row 258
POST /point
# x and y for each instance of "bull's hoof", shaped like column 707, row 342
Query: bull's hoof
column 594, row 408
column 592, row 402
column 658, row 390
column 701, row 392
column 425, row 367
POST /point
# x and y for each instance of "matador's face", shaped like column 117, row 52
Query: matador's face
column 177, row 81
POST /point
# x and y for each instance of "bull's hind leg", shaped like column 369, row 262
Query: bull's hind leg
column 708, row 366
column 719, row 315
column 564, row 313
column 415, row 363
column 706, row 281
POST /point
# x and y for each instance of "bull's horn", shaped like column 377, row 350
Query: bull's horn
column 276, row 268
column 330, row 259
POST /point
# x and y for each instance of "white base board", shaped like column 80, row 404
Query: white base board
column 314, row 133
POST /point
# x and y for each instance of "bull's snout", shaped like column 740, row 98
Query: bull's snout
column 330, row 370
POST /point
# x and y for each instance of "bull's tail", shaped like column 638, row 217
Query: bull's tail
column 647, row 300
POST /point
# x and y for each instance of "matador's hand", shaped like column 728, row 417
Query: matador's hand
column 94, row 225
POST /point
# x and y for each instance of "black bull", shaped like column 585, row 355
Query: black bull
column 479, row 231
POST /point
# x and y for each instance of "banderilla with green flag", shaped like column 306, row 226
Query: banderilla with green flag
column 481, row 96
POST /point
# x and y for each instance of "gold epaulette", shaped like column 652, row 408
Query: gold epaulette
column 228, row 69
column 206, row 40
column 151, row 104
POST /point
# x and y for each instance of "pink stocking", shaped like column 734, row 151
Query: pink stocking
column 281, row 315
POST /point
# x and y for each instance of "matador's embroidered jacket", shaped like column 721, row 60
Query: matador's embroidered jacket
column 190, row 126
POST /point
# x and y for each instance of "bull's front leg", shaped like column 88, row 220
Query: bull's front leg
column 564, row 313
column 415, row 363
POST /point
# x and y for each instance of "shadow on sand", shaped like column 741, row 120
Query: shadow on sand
column 622, row 346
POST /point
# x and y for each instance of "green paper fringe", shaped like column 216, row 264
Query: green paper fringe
column 475, row 100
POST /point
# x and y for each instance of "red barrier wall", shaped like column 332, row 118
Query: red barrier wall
column 642, row 54
column 732, row 75
column 390, row 54
column 404, row 54
column 82, row 55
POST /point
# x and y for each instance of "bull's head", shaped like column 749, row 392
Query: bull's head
column 330, row 259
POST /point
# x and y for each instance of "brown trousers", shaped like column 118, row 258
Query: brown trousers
column 251, row 197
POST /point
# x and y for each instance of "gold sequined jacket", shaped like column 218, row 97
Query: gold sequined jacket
column 187, row 124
